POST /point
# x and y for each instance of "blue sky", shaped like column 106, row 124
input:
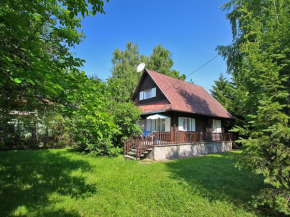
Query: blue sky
column 190, row 29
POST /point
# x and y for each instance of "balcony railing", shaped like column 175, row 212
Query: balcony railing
column 142, row 144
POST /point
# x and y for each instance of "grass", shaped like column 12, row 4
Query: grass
column 65, row 183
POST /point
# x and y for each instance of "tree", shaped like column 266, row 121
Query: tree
column 221, row 91
column 39, row 74
column 258, row 60
column 88, row 115
column 34, row 50
column 35, row 59
column 125, row 115
column 161, row 61
column 124, row 70
column 126, row 61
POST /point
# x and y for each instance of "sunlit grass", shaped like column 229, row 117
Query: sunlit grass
column 65, row 183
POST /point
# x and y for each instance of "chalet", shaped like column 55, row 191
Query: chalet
column 175, row 113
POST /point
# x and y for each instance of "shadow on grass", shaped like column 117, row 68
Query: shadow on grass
column 215, row 177
column 29, row 178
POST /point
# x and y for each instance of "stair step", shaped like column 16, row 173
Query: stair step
column 130, row 157
column 134, row 154
column 131, row 154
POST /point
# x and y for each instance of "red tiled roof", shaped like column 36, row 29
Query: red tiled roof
column 185, row 97
column 154, row 107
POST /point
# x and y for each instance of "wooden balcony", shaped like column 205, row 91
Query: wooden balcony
column 141, row 144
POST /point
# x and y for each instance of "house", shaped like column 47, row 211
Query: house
column 179, row 111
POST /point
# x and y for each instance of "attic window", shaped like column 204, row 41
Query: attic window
column 147, row 94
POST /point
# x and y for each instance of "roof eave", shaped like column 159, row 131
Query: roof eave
column 200, row 114
column 139, row 84
column 158, row 86
column 154, row 112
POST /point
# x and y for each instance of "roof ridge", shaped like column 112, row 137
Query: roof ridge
column 175, row 78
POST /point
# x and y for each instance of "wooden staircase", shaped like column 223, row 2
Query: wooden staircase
column 132, row 154
column 137, row 148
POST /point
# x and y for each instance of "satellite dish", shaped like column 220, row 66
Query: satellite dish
column 140, row 67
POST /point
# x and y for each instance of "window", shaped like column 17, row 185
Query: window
column 147, row 94
column 160, row 124
column 186, row 124
column 216, row 126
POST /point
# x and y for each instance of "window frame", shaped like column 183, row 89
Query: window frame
column 151, row 94
column 186, row 124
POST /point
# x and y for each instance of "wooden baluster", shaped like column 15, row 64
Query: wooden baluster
column 137, row 151
column 167, row 138
column 200, row 134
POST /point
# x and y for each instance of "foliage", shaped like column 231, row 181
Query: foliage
column 39, row 74
column 124, row 70
column 225, row 92
column 34, row 51
column 88, row 119
column 221, row 91
column 97, row 120
column 161, row 61
column 65, row 183
column 28, row 130
column 258, row 60
column 125, row 62
column 125, row 114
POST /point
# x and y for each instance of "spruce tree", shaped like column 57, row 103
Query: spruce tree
column 258, row 60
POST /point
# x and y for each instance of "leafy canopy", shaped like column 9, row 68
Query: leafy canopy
column 35, row 40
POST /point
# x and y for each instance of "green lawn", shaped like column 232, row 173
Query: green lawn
column 65, row 183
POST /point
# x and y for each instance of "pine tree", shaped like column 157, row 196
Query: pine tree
column 220, row 91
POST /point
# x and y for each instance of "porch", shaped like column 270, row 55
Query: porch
column 139, row 146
